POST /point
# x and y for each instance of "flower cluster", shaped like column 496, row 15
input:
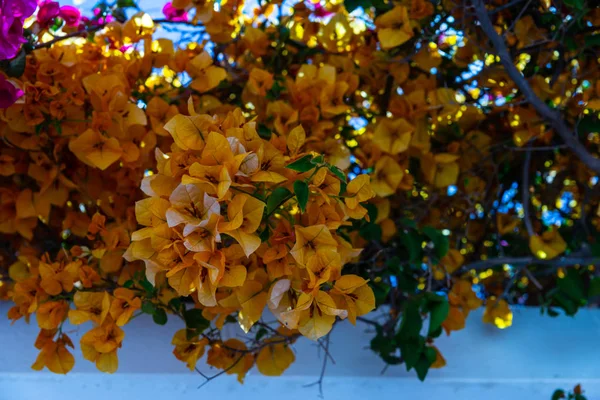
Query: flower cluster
column 310, row 161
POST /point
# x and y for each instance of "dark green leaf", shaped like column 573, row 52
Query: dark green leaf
column 440, row 241
column 301, row 192
column 572, row 285
column 352, row 5
column 260, row 334
column 412, row 242
column 381, row 291
column 128, row 284
column 438, row 307
column 422, row 366
column 411, row 324
column 148, row 307
column 371, row 211
column 14, row 68
column 147, row 286
column 576, row 4
column 371, row 231
column 558, row 394
column 126, row 3
column 408, row 223
column 160, row 316
column 594, row 289
column 338, row 173
column 302, row 164
column 592, row 40
column 276, row 198
column 195, row 322
column 177, row 305
column 264, row 132
column 318, row 160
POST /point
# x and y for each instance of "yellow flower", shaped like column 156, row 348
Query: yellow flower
column 393, row 136
column 547, row 246
column 393, row 27
column 497, row 312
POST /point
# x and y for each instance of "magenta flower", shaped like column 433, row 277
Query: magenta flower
column 49, row 10
column 12, row 16
column 71, row 15
column 9, row 93
column 174, row 14
column 320, row 11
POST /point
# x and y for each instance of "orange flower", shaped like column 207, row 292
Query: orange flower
column 124, row 305
column 100, row 345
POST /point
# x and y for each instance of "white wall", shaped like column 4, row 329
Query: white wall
column 527, row 361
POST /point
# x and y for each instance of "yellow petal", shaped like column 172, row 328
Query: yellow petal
column 274, row 359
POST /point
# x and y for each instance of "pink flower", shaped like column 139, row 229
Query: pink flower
column 12, row 16
column 9, row 93
column 174, row 14
column 320, row 11
column 71, row 15
column 48, row 11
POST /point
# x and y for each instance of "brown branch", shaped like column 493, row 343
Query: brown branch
column 520, row 261
column 86, row 31
column 552, row 117
column 96, row 28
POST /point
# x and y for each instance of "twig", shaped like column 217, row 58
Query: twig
column 537, row 148
column 324, row 367
column 555, row 262
column 532, row 278
column 552, row 117
column 87, row 31
column 367, row 321
column 226, row 370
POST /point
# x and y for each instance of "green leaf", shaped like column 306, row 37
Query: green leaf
column 440, row 241
column 371, row 211
column 385, row 347
column 195, row 322
column 439, row 308
column 260, row 334
column 147, row 286
column 264, row 132
column 160, row 316
column 558, row 394
column 301, row 191
column 14, row 68
column 177, row 305
column 572, row 285
column 338, row 173
column 576, row 4
column 411, row 241
column 276, row 198
column 352, row 5
column 371, row 231
column 126, row 3
column 411, row 324
column 318, row 160
column 128, row 284
column 409, row 223
column 381, row 291
column 422, row 366
column 592, row 40
column 148, row 307
column 302, row 164
column 594, row 289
